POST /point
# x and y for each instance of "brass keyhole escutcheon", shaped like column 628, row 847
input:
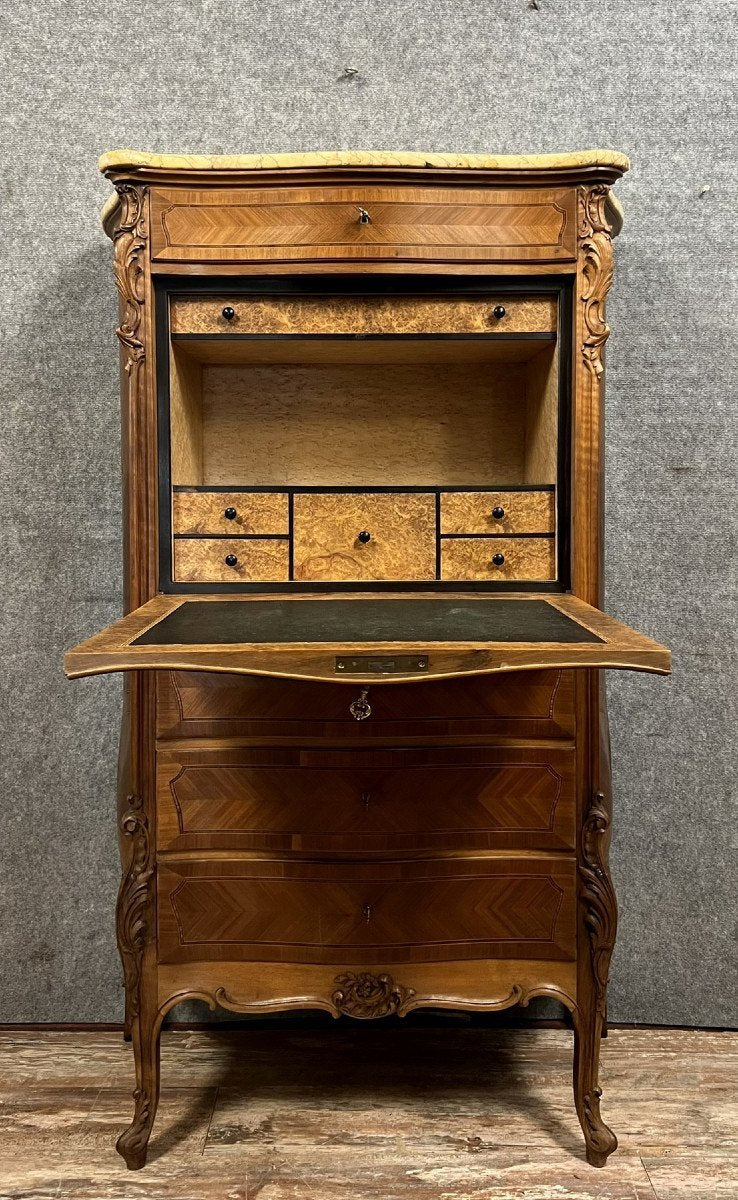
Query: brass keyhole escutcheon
column 365, row 799
column 366, row 912
column 360, row 708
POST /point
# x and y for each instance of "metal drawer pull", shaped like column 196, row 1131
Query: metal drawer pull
column 364, row 218
column 360, row 708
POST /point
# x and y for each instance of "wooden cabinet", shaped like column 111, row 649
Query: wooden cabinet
column 364, row 758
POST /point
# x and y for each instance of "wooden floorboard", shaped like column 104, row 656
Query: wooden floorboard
column 369, row 1112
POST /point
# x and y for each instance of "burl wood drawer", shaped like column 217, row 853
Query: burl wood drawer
column 363, row 314
column 364, row 536
column 228, row 560
column 408, row 910
column 230, row 512
column 366, row 801
column 498, row 558
column 498, row 512
column 528, row 704
column 314, row 223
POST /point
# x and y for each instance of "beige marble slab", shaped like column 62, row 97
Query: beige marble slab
column 116, row 160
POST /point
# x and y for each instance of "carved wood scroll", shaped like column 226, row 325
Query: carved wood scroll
column 596, row 263
column 134, row 910
column 130, row 237
column 598, row 895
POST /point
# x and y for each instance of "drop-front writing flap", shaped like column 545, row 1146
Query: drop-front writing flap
column 308, row 637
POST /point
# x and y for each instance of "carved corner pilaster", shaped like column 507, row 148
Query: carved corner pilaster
column 135, row 924
column 597, row 895
column 130, row 238
column 130, row 233
column 595, row 265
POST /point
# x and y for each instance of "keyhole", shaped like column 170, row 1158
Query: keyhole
column 365, row 798
column 367, row 913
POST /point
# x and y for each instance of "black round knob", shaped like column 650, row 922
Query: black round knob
column 230, row 514
column 498, row 559
column 229, row 313
column 230, row 560
column 499, row 311
column 365, row 536
column 498, row 512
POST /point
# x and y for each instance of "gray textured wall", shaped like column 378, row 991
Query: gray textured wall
column 653, row 79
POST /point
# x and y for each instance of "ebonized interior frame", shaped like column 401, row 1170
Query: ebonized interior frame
column 330, row 286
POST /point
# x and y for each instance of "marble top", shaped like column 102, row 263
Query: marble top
column 117, row 160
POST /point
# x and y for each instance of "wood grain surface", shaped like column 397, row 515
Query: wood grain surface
column 355, row 801
column 525, row 558
column 204, row 512
column 524, row 512
column 364, row 425
column 363, row 314
column 210, row 225
column 202, row 560
column 185, row 418
column 401, row 528
column 198, row 704
column 274, row 1112
column 213, row 907
column 264, row 350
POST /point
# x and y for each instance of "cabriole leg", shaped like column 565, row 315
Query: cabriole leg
column 133, row 1144
column 599, row 1138
column 136, row 915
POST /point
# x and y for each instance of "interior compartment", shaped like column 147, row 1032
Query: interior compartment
column 396, row 412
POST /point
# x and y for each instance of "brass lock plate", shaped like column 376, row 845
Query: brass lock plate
column 381, row 664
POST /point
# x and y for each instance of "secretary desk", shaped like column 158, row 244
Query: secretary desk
column 364, row 762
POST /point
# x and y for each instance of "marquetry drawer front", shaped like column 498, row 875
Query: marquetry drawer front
column 230, row 512
column 400, row 911
column 497, row 512
column 230, row 560
column 341, row 801
column 498, row 558
column 364, row 536
column 500, row 314
column 446, row 224
column 528, row 704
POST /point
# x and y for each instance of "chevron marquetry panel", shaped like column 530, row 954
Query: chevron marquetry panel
column 535, row 704
column 414, row 910
column 366, row 801
column 323, row 223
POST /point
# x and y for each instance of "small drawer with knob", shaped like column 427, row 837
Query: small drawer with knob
column 510, row 511
column 232, row 513
column 498, row 558
column 231, row 560
column 346, row 536
column 493, row 313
